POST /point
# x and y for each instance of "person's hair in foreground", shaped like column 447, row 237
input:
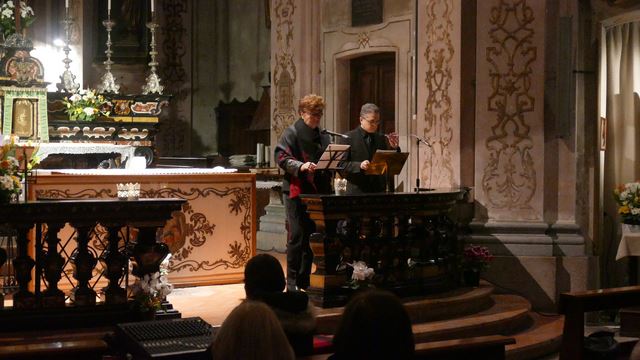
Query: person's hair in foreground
column 374, row 325
column 251, row 331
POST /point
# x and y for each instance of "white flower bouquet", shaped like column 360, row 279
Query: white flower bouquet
column 151, row 289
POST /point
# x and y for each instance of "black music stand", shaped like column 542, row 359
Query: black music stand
column 389, row 163
column 333, row 157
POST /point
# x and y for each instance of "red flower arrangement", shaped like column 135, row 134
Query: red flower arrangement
column 476, row 258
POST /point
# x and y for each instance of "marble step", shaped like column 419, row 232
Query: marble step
column 543, row 337
column 508, row 315
column 455, row 303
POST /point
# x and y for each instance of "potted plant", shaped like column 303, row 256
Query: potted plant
column 8, row 20
column 86, row 105
column 10, row 176
column 628, row 198
column 475, row 259
column 150, row 291
column 361, row 275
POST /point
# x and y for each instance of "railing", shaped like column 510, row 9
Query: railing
column 407, row 238
column 38, row 247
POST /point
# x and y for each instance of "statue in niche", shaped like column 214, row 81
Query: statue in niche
column 23, row 116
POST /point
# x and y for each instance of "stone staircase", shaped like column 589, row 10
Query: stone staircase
column 472, row 312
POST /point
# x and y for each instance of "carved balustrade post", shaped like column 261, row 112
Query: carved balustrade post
column 83, row 262
column 23, row 264
column 52, row 263
column 115, row 264
column 147, row 252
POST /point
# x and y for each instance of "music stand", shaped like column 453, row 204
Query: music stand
column 333, row 157
column 387, row 162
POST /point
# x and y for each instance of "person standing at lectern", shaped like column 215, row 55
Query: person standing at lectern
column 297, row 153
column 364, row 141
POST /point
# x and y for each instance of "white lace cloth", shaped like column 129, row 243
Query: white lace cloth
column 46, row 149
column 630, row 242
column 159, row 171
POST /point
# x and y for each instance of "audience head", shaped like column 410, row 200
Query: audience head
column 251, row 331
column 263, row 274
column 374, row 325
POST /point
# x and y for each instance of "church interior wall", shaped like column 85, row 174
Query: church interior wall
column 225, row 51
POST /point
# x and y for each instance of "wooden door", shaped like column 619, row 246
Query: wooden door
column 373, row 80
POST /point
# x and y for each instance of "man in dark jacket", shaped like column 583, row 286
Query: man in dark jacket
column 364, row 141
column 297, row 153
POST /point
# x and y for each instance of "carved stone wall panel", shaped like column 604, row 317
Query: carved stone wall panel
column 438, row 119
column 174, row 137
column 509, row 110
column 295, row 60
column 283, row 101
column 211, row 239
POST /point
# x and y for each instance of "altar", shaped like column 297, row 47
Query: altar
column 210, row 239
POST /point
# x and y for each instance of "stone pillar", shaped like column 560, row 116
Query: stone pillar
column 525, row 201
column 272, row 233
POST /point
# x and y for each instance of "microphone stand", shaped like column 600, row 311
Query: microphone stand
column 418, row 141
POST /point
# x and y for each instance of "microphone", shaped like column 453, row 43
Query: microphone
column 325, row 131
column 421, row 140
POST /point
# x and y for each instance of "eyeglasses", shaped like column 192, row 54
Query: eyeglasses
column 371, row 121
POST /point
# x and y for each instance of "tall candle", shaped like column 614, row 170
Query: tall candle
column 66, row 4
column 153, row 6
column 109, row 7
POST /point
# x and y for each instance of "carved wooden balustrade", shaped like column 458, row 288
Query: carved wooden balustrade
column 41, row 299
column 407, row 238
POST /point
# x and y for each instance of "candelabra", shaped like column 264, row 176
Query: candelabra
column 108, row 82
column 153, row 80
column 67, row 79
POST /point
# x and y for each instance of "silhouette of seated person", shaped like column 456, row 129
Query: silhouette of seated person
column 374, row 325
column 251, row 332
column 264, row 281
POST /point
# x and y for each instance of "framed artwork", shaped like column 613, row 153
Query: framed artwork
column 603, row 133
column 25, row 118
column 24, row 113
column 129, row 35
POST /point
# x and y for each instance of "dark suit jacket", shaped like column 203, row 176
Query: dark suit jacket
column 358, row 182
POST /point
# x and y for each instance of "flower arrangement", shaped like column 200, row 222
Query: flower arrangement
column 10, row 184
column 8, row 20
column 476, row 258
column 361, row 275
column 151, row 289
column 86, row 105
column 628, row 198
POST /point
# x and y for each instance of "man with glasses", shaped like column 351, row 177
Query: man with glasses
column 364, row 141
column 297, row 153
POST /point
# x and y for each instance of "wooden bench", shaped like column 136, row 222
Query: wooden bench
column 574, row 304
column 490, row 347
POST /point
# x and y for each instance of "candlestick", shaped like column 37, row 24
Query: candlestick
column 108, row 82
column 153, row 80
column 67, row 79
